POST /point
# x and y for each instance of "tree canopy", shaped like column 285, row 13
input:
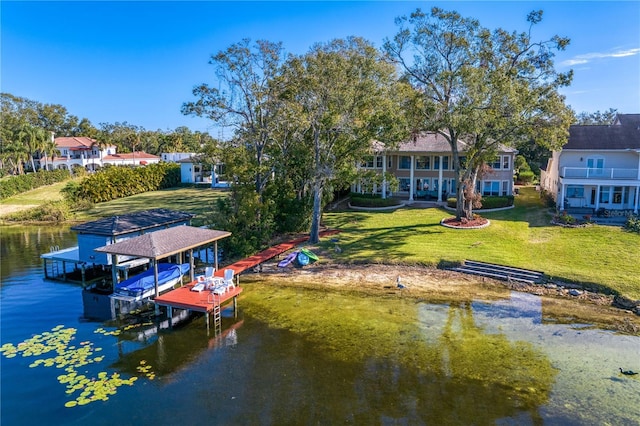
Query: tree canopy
column 486, row 88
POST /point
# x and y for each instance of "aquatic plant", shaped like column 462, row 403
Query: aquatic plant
column 54, row 349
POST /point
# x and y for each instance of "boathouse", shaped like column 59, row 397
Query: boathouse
column 98, row 233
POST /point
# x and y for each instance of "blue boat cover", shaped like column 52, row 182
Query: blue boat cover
column 138, row 284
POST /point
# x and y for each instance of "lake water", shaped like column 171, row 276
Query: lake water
column 295, row 356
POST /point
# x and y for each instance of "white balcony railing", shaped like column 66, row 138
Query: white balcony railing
column 599, row 173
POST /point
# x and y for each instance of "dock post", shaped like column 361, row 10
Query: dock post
column 235, row 306
column 206, row 318
column 44, row 265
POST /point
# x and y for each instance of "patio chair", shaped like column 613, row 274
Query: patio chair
column 228, row 278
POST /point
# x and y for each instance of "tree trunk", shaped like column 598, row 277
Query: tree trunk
column 314, row 234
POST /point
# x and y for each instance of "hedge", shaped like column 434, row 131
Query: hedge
column 369, row 200
column 22, row 183
column 121, row 181
column 488, row 202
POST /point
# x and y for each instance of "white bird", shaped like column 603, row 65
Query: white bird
column 400, row 285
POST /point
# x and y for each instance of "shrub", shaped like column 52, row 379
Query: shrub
column 633, row 224
column 23, row 183
column 117, row 182
column 369, row 200
column 526, row 177
column 52, row 211
column 565, row 219
column 488, row 202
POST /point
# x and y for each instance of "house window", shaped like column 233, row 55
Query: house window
column 506, row 160
column 389, row 162
column 605, row 194
column 505, row 187
column 405, row 162
column 379, row 160
column 368, row 162
column 422, row 162
column 491, row 187
column 595, row 166
column 495, row 164
column 617, row 195
column 436, row 163
column 445, row 163
column 453, row 186
column 404, row 184
column 575, row 191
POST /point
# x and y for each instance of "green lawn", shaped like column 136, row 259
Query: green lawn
column 37, row 196
column 522, row 237
column 602, row 256
column 192, row 200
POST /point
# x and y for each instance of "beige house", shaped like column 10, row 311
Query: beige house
column 598, row 169
column 424, row 169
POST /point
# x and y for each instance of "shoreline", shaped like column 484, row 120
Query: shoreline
column 437, row 285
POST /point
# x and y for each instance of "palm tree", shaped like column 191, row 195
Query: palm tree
column 50, row 150
column 33, row 139
column 16, row 154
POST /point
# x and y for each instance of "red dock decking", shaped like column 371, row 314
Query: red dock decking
column 184, row 298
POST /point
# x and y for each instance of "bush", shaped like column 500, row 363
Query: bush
column 632, row 224
column 23, row 183
column 118, row 182
column 52, row 211
column 488, row 202
column 526, row 177
column 565, row 219
column 369, row 200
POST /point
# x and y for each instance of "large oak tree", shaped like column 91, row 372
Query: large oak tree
column 486, row 88
column 345, row 97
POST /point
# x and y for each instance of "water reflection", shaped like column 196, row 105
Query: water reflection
column 300, row 356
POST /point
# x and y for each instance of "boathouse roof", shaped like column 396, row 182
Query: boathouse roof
column 164, row 243
column 133, row 222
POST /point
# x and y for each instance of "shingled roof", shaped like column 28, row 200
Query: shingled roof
column 133, row 222
column 164, row 243
column 623, row 134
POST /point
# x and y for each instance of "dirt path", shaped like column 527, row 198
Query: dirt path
column 6, row 209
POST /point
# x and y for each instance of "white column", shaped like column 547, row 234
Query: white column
column 561, row 200
column 411, row 182
column 384, row 176
column 440, row 180
column 635, row 208
column 597, row 197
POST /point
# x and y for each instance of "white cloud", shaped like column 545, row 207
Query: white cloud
column 588, row 57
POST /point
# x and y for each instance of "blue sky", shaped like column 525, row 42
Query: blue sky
column 138, row 61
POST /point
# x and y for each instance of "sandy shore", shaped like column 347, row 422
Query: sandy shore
column 435, row 284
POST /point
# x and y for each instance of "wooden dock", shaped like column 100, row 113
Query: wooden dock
column 207, row 302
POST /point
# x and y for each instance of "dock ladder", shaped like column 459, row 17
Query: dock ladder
column 214, row 299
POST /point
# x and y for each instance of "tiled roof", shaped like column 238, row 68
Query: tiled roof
column 166, row 242
column 132, row 222
column 75, row 142
column 624, row 134
column 138, row 155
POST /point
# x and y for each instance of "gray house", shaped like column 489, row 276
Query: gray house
column 598, row 170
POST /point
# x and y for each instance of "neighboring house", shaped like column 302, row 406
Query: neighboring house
column 81, row 151
column 598, row 169
column 424, row 169
column 174, row 157
column 193, row 170
column 86, row 152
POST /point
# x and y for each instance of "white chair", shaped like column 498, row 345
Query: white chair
column 208, row 271
column 228, row 278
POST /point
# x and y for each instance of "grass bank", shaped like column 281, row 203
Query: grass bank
column 193, row 200
column 602, row 257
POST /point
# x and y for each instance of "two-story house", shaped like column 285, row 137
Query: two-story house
column 424, row 169
column 88, row 153
column 598, row 168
